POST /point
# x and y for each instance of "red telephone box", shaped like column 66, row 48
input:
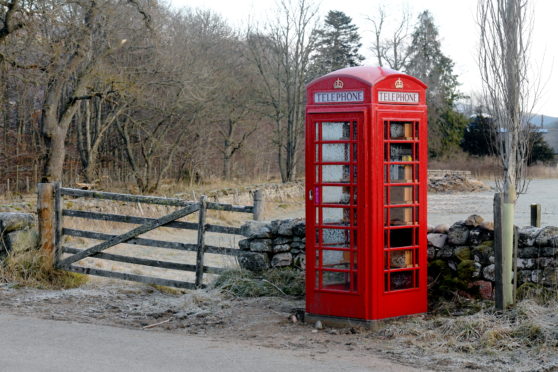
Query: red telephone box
column 366, row 183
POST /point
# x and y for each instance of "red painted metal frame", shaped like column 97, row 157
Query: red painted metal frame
column 370, row 300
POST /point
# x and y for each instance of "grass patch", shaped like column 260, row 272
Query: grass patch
column 274, row 282
column 32, row 269
column 531, row 326
column 167, row 290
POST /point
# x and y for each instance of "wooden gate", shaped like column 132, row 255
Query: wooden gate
column 51, row 224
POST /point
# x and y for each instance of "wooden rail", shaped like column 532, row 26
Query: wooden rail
column 51, row 214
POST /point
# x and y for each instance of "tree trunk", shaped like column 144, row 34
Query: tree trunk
column 56, row 152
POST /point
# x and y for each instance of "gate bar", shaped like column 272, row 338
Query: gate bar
column 131, row 277
column 131, row 234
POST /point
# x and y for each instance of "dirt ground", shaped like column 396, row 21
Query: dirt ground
column 261, row 322
column 415, row 342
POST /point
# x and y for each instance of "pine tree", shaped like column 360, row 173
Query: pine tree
column 429, row 64
column 338, row 44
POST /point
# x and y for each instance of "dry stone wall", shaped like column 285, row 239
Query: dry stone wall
column 279, row 243
column 18, row 232
column 460, row 256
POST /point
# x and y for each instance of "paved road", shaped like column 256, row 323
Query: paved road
column 28, row 344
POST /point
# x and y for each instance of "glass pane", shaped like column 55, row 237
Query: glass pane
column 400, row 259
column 335, row 152
column 335, row 173
column 335, row 280
column 401, row 131
column 336, row 194
column 401, row 280
column 400, row 238
column 401, row 173
column 336, row 259
column 401, row 216
column 399, row 195
column 336, row 238
column 336, row 216
column 335, row 131
column 333, row 215
column 401, row 152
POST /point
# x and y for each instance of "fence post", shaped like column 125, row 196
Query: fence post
column 58, row 222
column 515, row 274
column 258, row 205
column 536, row 215
column 498, row 266
column 47, row 219
column 201, row 241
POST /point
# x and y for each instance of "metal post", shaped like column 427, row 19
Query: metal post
column 536, row 215
column 46, row 214
column 201, row 241
column 258, row 205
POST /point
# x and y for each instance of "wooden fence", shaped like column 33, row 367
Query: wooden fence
column 51, row 227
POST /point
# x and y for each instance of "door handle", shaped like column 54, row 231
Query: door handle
column 310, row 195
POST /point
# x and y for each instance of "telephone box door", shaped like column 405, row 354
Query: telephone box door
column 333, row 191
column 403, row 252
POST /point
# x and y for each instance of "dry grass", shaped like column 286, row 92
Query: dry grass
column 532, row 324
column 274, row 282
column 33, row 269
column 487, row 167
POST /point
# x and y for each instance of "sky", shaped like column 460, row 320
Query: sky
column 456, row 26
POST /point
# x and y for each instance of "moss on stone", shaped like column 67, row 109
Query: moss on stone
column 465, row 270
column 462, row 253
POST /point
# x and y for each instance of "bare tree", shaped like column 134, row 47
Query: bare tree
column 79, row 41
column 391, row 50
column 93, row 122
column 281, row 55
column 11, row 13
column 505, row 30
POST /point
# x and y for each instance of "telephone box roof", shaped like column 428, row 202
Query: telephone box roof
column 370, row 75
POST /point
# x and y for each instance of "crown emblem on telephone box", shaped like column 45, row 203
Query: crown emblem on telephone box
column 338, row 84
column 399, row 84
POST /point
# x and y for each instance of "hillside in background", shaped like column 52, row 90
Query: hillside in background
column 550, row 123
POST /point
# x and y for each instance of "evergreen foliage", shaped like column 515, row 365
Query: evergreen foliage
column 429, row 64
column 338, row 44
column 476, row 137
column 540, row 150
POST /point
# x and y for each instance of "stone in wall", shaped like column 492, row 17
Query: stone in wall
column 488, row 272
column 437, row 240
column 17, row 232
column 261, row 245
column 458, row 233
column 256, row 229
column 547, row 237
column 473, row 220
column 528, row 235
column 282, row 260
column 15, row 221
column 22, row 240
column 253, row 261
